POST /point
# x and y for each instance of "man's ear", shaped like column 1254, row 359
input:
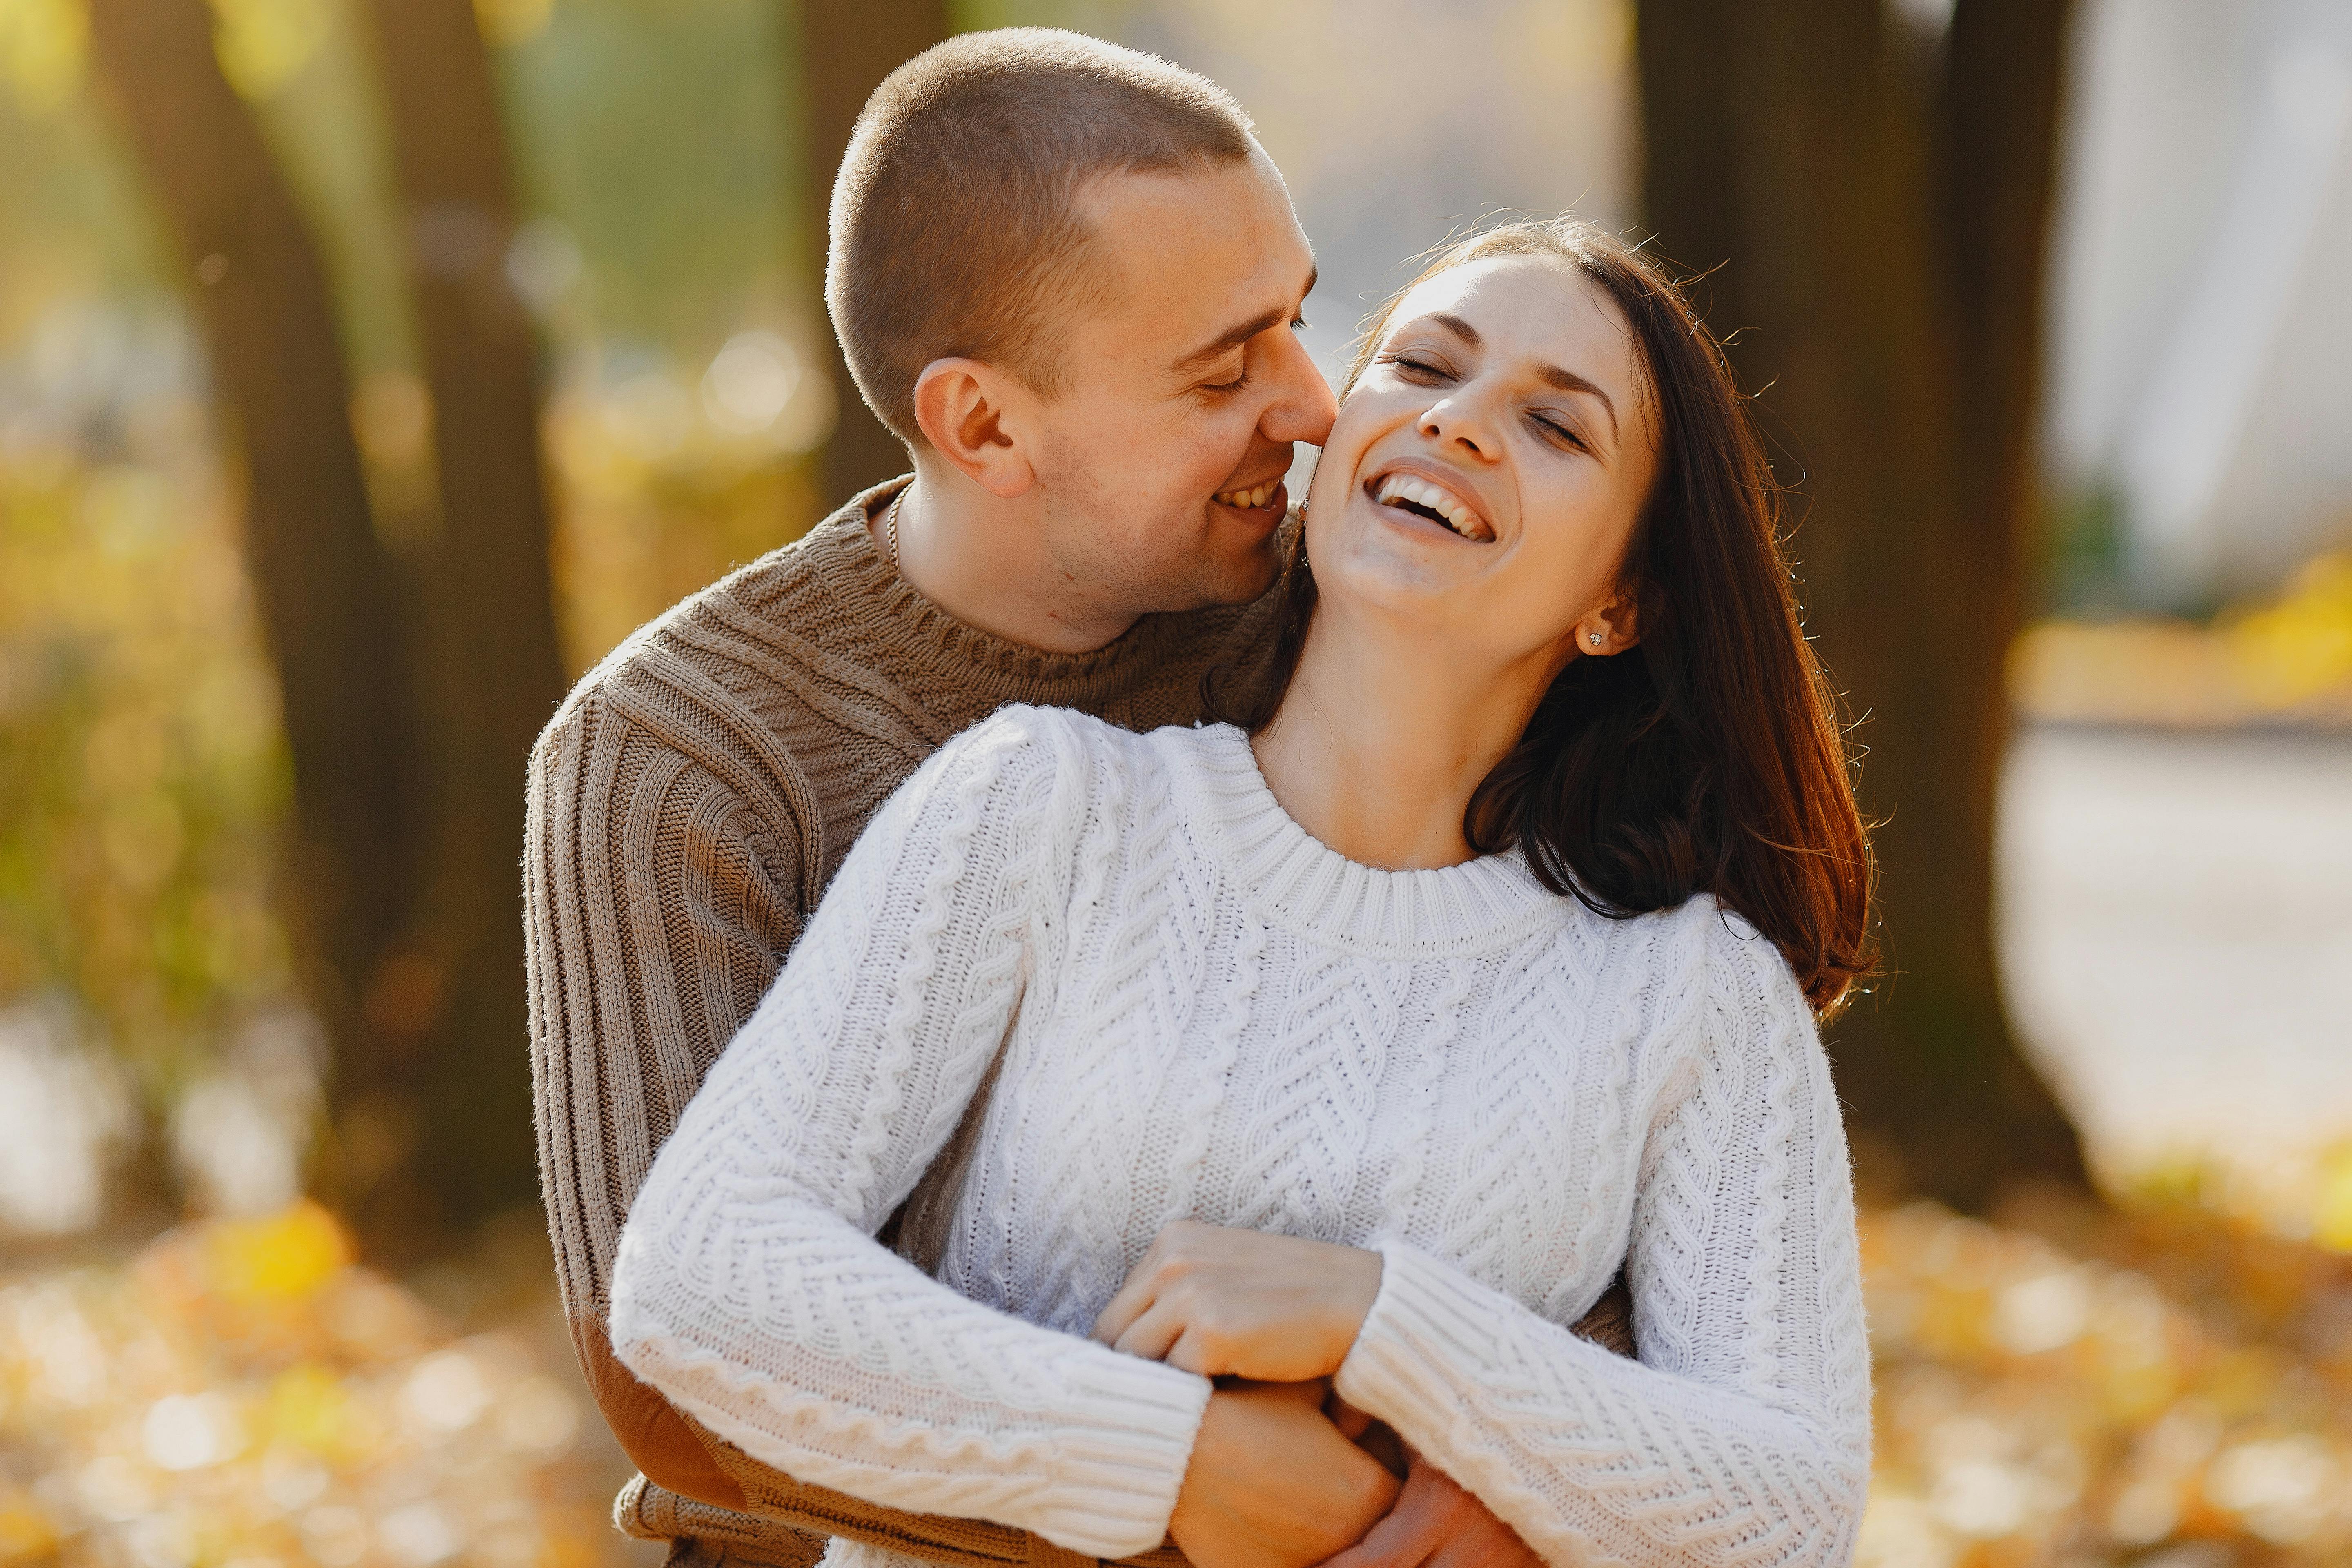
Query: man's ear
column 972, row 414
column 1612, row 629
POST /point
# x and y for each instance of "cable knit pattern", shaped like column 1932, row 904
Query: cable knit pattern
column 1196, row 1010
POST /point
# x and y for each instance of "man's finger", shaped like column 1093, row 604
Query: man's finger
column 1384, row 1548
column 1405, row 1537
column 1483, row 1542
column 1473, row 1537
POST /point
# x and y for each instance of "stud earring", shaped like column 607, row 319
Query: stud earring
column 1594, row 638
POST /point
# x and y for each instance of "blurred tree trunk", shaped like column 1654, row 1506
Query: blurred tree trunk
column 324, row 582
column 847, row 48
column 412, row 688
column 1875, row 202
column 494, row 670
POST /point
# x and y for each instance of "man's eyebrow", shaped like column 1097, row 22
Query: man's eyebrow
column 1242, row 333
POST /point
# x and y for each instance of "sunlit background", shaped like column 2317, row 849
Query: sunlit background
column 197, row 1367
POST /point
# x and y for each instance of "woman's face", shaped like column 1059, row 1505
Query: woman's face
column 1488, row 468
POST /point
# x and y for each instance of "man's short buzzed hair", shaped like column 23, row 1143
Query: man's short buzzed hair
column 955, row 231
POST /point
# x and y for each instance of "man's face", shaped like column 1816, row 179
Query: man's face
column 1182, row 398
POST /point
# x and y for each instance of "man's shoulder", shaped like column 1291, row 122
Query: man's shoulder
column 724, row 652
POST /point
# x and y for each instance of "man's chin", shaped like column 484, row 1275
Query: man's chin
column 1239, row 572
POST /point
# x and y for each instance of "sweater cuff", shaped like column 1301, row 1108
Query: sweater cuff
column 1118, row 1480
column 1424, row 1329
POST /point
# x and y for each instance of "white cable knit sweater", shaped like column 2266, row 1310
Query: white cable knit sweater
column 1203, row 1012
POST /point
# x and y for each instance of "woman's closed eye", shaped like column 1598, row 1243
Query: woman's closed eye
column 1557, row 430
column 1413, row 367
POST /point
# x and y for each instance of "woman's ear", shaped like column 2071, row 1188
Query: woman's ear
column 1611, row 629
column 970, row 413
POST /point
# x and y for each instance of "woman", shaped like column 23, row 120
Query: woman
column 1357, row 1041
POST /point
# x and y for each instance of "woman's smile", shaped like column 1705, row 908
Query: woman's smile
column 1413, row 490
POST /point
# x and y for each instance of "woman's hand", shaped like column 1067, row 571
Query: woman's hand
column 1437, row 1524
column 1243, row 1303
column 1274, row 1484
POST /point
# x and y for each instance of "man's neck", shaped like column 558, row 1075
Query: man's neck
column 980, row 558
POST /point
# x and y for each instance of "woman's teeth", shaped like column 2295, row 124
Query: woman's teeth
column 1252, row 498
column 1419, row 495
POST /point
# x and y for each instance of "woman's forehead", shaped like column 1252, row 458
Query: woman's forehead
column 1517, row 300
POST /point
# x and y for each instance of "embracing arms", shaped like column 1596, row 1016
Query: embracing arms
column 1743, row 1434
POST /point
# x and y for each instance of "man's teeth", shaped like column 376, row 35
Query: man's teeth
column 1401, row 488
column 1254, row 497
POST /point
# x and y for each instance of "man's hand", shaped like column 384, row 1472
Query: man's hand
column 1243, row 1303
column 1274, row 1484
column 1437, row 1524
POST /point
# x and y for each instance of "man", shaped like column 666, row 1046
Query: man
column 1067, row 277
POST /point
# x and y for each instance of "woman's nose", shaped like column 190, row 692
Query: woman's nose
column 1455, row 422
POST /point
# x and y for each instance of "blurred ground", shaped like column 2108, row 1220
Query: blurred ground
column 238, row 1392
column 2177, row 934
column 2174, row 870
column 2069, row 1389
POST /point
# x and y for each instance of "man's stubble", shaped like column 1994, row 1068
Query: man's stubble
column 1112, row 562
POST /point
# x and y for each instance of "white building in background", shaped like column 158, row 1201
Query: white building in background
column 2201, row 310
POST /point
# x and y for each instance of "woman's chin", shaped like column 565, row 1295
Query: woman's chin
column 1405, row 563
column 1442, row 616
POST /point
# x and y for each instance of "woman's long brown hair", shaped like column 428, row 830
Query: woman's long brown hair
column 1708, row 758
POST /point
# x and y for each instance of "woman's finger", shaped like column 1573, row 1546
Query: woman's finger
column 1134, row 1300
column 1151, row 1335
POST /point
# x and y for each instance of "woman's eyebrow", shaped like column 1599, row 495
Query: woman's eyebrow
column 1568, row 381
column 1457, row 326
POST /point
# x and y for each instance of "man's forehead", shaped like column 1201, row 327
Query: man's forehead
column 1186, row 252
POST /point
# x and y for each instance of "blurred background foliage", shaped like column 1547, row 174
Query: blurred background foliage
column 201, row 1364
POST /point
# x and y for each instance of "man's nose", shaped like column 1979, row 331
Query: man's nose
column 1303, row 406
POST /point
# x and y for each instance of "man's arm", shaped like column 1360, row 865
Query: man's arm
column 658, row 905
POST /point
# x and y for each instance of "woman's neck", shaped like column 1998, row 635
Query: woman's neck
column 1381, row 740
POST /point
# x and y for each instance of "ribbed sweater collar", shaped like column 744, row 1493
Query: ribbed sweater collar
column 1300, row 883
column 923, row 648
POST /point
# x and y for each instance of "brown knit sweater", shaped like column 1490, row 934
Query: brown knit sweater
column 687, row 805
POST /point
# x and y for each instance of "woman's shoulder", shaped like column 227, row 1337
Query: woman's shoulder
column 1023, row 729
column 1702, row 951
column 1026, row 730
column 1051, row 756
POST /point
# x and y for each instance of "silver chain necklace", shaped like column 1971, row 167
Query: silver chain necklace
column 890, row 528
